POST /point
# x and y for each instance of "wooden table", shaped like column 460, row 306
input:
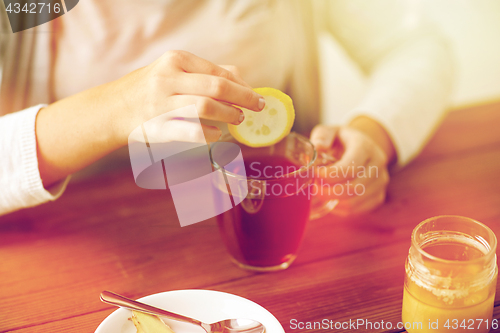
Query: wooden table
column 106, row 233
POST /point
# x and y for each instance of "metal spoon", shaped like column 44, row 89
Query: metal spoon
column 223, row 326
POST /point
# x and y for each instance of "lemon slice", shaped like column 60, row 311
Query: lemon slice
column 265, row 128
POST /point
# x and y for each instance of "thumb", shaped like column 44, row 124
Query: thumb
column 323, row 137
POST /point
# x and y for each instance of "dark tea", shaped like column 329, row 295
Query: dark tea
column 266, row 228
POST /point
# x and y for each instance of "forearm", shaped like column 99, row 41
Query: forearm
column 80, row 129
column 408, row 66
column 75, row 132
column 408, row 93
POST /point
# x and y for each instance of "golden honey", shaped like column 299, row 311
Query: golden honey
column 451, row 276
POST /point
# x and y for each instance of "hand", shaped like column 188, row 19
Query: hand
column 359, row 179
column 80, row 129
column 179, row 79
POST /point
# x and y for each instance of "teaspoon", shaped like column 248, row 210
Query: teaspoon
column 223, row 326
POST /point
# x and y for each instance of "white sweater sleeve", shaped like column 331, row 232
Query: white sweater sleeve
column 408, row 94
column 20, row 182
column 408, row 64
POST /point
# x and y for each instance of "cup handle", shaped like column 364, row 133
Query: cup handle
column 319, row 207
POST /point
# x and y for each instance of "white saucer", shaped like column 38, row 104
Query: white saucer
column 205, row 305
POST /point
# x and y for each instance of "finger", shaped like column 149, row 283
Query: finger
column 211, row 133
column 208, row 108
column 345, row 190
column 186, row 131
column 365, row 174
column 339, row 191
column 322, row 136
column 233, row 69
column 365, row 198
column 236, row 72
column 360, row 203
column 346, row 170
column 373, row 180
column 378, row 156
column 355, row 154
column 220, row 89
column 354, row 147
column 191, row 63
column 362, row 149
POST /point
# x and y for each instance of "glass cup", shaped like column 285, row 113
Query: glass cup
column 451, row 274
column 263, row 232
column 322, row 203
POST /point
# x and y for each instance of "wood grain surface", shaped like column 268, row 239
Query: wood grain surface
column 106, row 233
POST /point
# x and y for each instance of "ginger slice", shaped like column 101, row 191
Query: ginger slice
column 146, row 323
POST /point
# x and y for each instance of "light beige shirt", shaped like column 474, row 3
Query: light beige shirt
column 101, row 41
column 274, row 43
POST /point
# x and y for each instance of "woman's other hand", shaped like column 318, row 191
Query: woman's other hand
column 360, row 177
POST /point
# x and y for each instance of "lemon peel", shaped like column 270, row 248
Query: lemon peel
column 269, row 126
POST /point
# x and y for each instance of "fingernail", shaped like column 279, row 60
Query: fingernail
column 242, row 117
column 262, row 103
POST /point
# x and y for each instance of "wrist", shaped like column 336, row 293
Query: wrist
column 110, row 111
column 377, row 133
column 109, row 115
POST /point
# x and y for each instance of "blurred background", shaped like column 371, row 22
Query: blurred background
column 473, row 30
